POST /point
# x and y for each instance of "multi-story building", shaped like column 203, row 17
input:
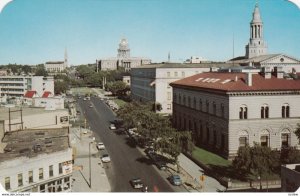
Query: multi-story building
column 290, row 177
column 227, row 110
column 150, row 83
column 17, row 86
column 36, row 161
column 56, row 67
column 123, row 59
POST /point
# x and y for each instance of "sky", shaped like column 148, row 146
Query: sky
column 36, row 31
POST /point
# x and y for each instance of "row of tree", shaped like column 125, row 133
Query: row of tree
column 153, row 127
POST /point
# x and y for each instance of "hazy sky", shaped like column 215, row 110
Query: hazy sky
column 36, row 31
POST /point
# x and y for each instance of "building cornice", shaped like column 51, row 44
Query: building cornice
column 262, row 93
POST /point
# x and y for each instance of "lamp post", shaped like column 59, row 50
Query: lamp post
column 90, row 168
column 259, row 178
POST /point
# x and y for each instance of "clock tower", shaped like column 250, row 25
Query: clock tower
column 123, row 51
column 257, row 46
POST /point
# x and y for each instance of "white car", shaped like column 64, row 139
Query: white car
column 105, row 158
column 100, row 146
column 112, row 127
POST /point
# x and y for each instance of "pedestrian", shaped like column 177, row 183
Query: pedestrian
column 146, row 188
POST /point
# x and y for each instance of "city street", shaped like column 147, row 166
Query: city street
column 127, row 161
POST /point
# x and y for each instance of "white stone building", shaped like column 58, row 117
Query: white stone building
column 256, row 50
column 290, row 177
column 228, row 110
column 36, row 161
column 123, row 59
column 150, row 83
column 55, row 67
column 17, row 86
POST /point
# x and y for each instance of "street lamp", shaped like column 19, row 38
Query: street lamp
column 90, row 168
column 259, row 178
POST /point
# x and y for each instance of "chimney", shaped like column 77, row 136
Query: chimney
column 249, row 79
column 279, row 72
column 236, row 78
column 267, row 72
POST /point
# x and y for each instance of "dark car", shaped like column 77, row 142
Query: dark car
column 175, row 180
column 137, row 183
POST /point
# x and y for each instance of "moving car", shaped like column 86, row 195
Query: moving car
column 136, row 183
column 112, row 127
column 100, row 146
column 175, row 180
column 105, row 158
column 91, row 106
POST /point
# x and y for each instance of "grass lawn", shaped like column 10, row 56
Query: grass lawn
column 209, row 158
column 82, row 90
column 119, row 102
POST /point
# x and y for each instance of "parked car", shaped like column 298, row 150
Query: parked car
column 175, row 180
column 137, row 183
column 149, row 150
column 161, row 165
column 105, row 158
column 100, row 146
column 91, row 106
column 112, row 126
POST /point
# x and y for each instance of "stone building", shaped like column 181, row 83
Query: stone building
column 228, row 110
column 56, row 67
column 123, row 59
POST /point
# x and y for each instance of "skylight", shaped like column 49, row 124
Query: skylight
column 225, row 81
column 198, row 79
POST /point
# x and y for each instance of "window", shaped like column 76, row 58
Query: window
column 30, row 176
column 50, row 170
column 60, row 168
column 189, row 102
column 264, row 140
column 243, row 141
column 169, row 107
column 20, row 180
column 184, row 101
column 222, row 110
column 285, row 137
column 169, row 95
column 168, row 74
column 285, row 111
column 7, row 183
column 215, row 137
column 223, row 141
column 214, row 108
column 195, row 103
column 183, row 74
column 175, row 97
column 200, row 104
column 41, row 174
column 207, row 106
column 243, row 112
column 176, row 74
column 264, row 111
column 42, row 188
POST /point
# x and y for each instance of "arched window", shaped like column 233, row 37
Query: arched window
column 243, row 138
column 214, row 108
column 207, row 106
column 200, row 104
column 184, row 100
column 264, row 111
column 265, row 138
column 189, row 102
column 243, row 112
column 285, row 138
column 222, row 110
column 179, row 99
column 195, row 103
column 285, row 111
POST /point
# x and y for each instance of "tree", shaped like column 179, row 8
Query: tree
column 297, row 132
column 40, row 70
column 117, row 88
column 60, row 87
column 289, row 155
column 243, row 159
column 26, row 69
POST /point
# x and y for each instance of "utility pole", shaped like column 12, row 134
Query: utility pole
column 90, row 167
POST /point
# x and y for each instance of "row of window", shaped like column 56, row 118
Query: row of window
column 30, row 176
column 265, row 140
column 264, row 111
column 176, row 74
column 188, row 102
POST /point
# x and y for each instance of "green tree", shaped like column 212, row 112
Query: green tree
column 242, row 162
column 26, row 69
column 117, row 88
column 60, row 87
column 289, row 155
column 40, row 70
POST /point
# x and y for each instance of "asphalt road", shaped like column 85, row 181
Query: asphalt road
column 127, row 162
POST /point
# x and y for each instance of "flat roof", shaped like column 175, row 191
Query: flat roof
column 33, row 142
column 26, row 111
column 186, row 65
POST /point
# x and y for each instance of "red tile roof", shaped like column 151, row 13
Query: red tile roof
column 226, row 82
column 46, row 94
column 29, row 94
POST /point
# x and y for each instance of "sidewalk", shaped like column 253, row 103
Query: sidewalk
column 81, row 179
